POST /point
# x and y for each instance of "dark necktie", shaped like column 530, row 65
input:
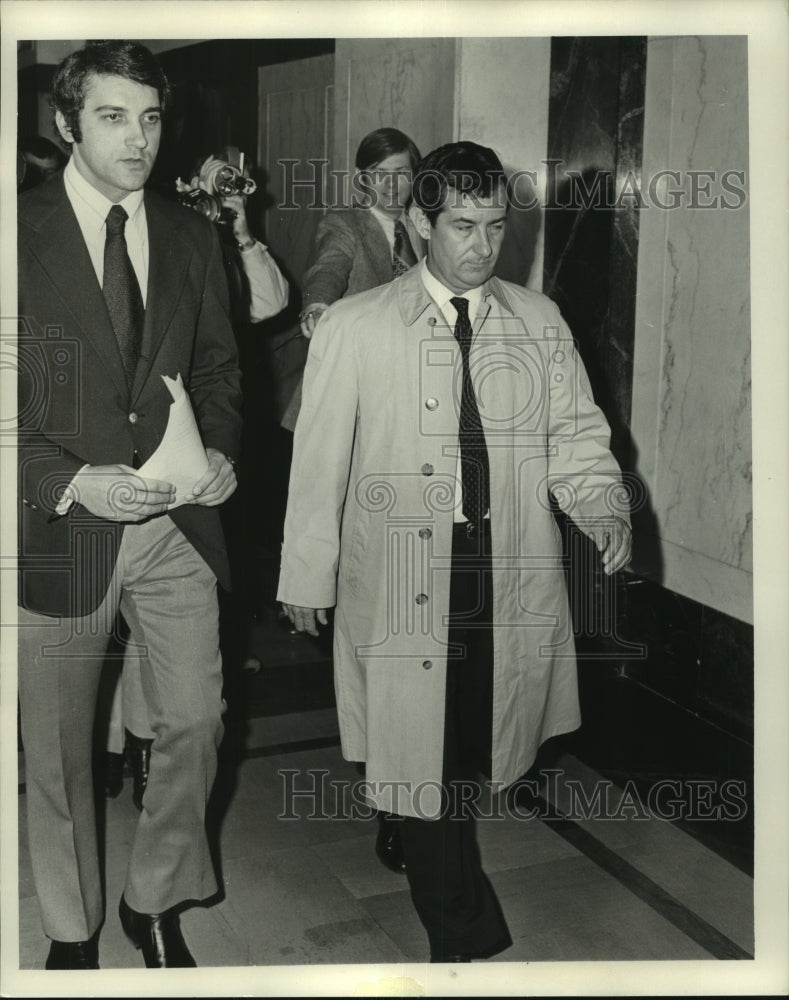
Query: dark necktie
column 474, row 467
column 403, row 256
column 122, row 292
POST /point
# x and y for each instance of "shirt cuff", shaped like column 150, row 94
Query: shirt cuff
column 253, row 246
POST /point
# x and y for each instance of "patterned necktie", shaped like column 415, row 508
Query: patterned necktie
column 122, row 292
column 474, row 466
column 403, row 256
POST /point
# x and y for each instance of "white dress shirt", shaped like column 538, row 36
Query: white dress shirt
column 91, row 208
column 268, row 289
column 441, row 296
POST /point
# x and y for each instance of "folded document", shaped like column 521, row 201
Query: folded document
column 180, row 458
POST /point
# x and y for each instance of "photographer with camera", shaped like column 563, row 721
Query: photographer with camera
column 218, row 189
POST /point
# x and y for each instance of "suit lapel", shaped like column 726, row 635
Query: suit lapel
column 377, row 245
column 62, row 253
column 168, row 258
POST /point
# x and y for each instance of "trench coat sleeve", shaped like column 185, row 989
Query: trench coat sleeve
column 331, row 260
column 322, row 449
column 583, row 475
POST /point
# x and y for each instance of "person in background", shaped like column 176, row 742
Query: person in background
column 258, row 291
column 42, row 160
column 372, row 242
column 442, row 413
column 357, row 249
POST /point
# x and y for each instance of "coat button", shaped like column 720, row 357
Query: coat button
column 421, row 598
column 431, row 403
column 427, row 664
column 132, row 418
column 427, row 469
column 425, row 533
column 431, row 321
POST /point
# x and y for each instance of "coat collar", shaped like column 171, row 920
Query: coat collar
column 413, row 298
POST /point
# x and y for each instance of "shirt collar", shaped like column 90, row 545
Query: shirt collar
column 93, row 200
column 441, row 294
column 385, row 220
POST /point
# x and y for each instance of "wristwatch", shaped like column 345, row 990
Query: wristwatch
column 247, row 244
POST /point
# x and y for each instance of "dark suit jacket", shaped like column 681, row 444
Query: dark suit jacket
column 351, row 254
column 75, row 406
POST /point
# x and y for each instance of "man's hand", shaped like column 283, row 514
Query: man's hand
column 237, row 204
column 310, row 317
column 304, row 619
column 217, row 483
column 117, row 493
column 613, row 538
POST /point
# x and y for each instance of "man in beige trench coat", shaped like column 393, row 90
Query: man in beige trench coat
column 440, row 414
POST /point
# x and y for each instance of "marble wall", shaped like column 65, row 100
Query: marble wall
column 407, row 83
column 691, row 381
column 502, row 102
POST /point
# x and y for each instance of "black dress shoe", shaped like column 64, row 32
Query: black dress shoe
column 138, row 754
column 388, row 846
column 158, row 936
column 112, row 778
column 469, row 956
column 65, row 955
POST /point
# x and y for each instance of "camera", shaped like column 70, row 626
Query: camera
column 219, row 177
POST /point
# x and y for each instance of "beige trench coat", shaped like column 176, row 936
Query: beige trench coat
column 370, row 514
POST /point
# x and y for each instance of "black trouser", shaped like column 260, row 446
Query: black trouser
column 451, row 893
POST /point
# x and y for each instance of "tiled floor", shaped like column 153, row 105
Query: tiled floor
column 308, row 891
column 303, row 891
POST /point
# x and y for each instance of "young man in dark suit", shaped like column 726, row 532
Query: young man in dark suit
column 118, row 288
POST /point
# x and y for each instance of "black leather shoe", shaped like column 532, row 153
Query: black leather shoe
column 65, row 955
column 158, row 936
column 112, row 779
column 388, row 846
column 469, row 956
column 138, row 754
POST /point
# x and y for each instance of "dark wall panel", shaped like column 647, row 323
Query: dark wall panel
column 591, row 233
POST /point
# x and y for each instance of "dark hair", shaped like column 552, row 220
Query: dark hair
column 385, row 142
column 40, row 147
column 31, row 148
column 130, row 60
column 463, row 166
